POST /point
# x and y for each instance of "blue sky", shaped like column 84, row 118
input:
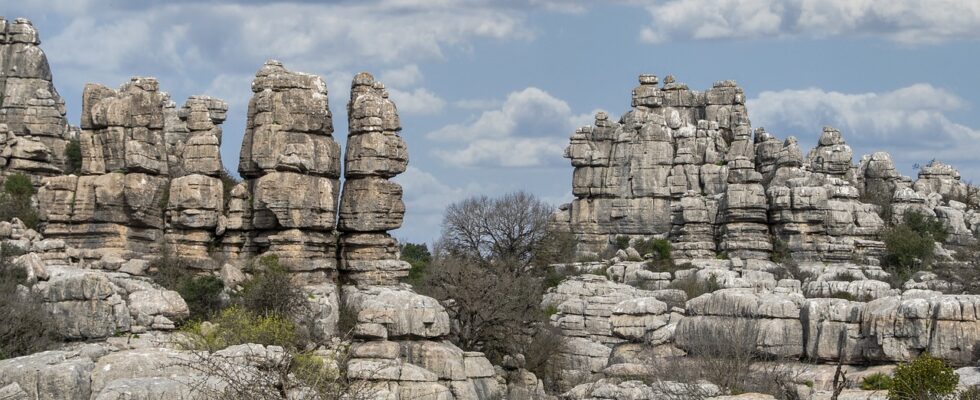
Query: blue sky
column 489, row 91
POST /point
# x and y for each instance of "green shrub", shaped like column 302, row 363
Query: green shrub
column 876, row 381
column 228, row 182
column 694, row 287
column 621, row 242
column 25, row 327
column 660, row 248
column 271, row 291
column 924, row 378
column 15, row 201
column 73, row 157
column 236, row 325
column 842, row 295
column 202, row 295
column 909, row 246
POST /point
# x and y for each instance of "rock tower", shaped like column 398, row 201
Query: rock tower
column 33, row 128
column 287, row 205
column 372, row 204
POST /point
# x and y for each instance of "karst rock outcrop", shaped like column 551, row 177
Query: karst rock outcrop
column 751, row 236
column 33, row 129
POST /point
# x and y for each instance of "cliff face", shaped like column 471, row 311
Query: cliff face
column 686, row 166
column 33, row 128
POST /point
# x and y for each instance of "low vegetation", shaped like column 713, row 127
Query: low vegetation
column 924, row 378
column 73, row 157
column 724, row 354
column 15, row 200
column 25, row 327
column 910, row 245
column 202, row 293
column 877, row 381
column 694, row 287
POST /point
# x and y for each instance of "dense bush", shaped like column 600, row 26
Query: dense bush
column 15, row 200
column 924, row 378
column 876, row 381
column 73, row 157
column 621, row 242
column 271, row 291
column 694, row 287
column 910, row 245
column 659, row 248
column 202, row 293
column 25, row 327
column 236, row 325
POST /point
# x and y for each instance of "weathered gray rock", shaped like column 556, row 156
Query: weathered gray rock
column 50, row 375
column 893, row 329
column 288, row 206
column 395, row 312
column 33, row 128
column 774, row 318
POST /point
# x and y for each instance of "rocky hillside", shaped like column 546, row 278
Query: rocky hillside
column 700, row 242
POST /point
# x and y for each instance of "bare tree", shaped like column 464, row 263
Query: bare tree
column 505, row 230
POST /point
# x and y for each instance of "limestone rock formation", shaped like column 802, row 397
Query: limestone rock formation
column 672, row 141
column 196, row 194
column 33, row 128
column 371, row 205
column 288, row 144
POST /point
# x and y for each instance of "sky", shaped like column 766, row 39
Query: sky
column 490, row 91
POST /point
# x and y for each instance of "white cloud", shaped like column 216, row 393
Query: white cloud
column 912, row 123
column 476, row 104
column 426, row 197
column 903, row 21
column 418, row 102
column 404, row 76
column 530, row 128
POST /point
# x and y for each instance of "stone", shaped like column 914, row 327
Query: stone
column 49, row 375
column 33, row 129
column 397, row 312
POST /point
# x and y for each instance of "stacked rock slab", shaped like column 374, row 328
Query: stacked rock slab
column 117, row 204
column 815, row 210
column 402, row 346
column 745, row 229
column 33, row 128
column 292, row 167
column 672, row 141
column 196, row 198
column 371, row 204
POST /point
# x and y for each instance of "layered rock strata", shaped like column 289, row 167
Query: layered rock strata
column 33, row 128
column 288, row 144
column 371, row 204
column 117, row 203
column 672, row 141
column 196, row 194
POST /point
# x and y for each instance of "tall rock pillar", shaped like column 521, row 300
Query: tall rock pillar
column 33, row 128
column 371, row 204
column 292, row 169
column 196, row 198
